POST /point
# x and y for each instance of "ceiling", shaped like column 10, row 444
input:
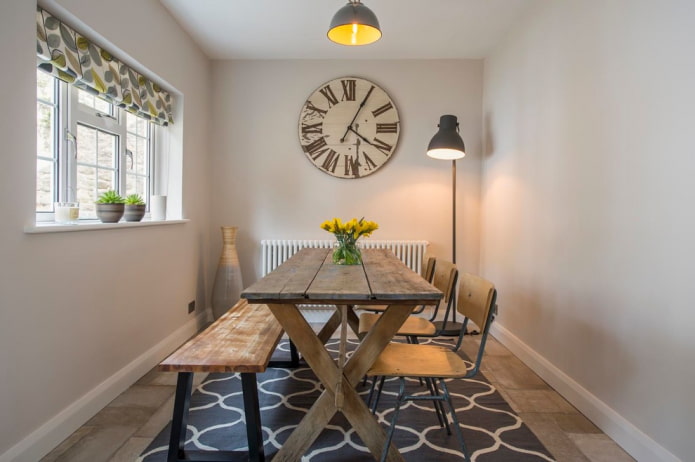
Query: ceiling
column 296, row 29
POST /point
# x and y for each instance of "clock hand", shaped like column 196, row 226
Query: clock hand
column 360, row 135
column 356, row 113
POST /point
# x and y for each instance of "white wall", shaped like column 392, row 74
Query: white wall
column 588, row 222
column 81, row 313
column 263, row 183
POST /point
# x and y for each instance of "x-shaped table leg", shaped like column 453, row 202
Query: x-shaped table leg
column 353, row 407
column 334, row 322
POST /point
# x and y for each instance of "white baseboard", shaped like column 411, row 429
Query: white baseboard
column 41, row 441
column 630, row 438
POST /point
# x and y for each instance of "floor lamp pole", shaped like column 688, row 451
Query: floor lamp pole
column 452, row 326
column 453, row 211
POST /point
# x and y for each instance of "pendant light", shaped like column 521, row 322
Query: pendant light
column 354, row 24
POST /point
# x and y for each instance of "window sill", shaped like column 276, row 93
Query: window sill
column 51, row 227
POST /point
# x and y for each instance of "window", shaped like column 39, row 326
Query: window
column 85, row 146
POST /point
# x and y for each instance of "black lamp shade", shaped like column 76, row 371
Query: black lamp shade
column 354, row 24
column 447, row 143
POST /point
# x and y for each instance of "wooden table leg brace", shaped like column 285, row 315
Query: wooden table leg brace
column 312, row 348
column 179, row 422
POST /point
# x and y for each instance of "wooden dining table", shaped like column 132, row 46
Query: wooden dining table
column 311, row 278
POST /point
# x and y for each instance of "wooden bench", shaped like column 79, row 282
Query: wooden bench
column 242, row 340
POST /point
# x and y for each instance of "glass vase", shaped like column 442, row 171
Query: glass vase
column 228, row 285
column 346, row 252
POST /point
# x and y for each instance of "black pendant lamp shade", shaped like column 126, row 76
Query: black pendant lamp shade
column 354, row 24
column 447, row 143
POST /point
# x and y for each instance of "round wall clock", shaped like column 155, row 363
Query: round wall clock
column 349, row 127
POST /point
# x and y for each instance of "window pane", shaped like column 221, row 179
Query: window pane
column 105, row 181
column 142, row 127
column 45, row 192
column 46, row 136
column 131, row 122
column 107, row 146
column 141, row 156
column 45, row 86
column 86, row 145
column 45, row 131
column 131, row 147
column 138, row 155
column 136, row 185
column 86, row 190
column 103, row 106
column 85, row 98
column 94, row 102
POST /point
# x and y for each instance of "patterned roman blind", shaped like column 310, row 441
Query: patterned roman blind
column 71, row 57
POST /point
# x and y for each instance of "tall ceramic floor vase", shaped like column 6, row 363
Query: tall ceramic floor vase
column 228, row 284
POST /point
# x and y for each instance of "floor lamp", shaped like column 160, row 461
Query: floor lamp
column 447, row 144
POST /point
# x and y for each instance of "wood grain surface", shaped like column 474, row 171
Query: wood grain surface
column 310, row 277
column 241, row 340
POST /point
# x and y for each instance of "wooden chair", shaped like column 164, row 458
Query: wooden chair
column 444, row 278
column 476, row 302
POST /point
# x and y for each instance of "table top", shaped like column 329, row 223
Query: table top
column 311, row 277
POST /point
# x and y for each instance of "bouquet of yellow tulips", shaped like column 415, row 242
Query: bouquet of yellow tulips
column 347, row 233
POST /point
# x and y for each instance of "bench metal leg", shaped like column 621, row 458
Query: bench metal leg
column 182, row 402
column 254, row 433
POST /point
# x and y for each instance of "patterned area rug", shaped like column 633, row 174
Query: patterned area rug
column 492, row 431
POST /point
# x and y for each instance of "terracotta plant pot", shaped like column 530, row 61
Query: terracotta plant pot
column 110, row 213
column 134, row 212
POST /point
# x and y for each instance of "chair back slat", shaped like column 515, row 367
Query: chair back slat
column 427, row 268
column 445, row 276
column 475, row 299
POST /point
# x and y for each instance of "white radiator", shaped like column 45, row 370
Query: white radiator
column 275, row 252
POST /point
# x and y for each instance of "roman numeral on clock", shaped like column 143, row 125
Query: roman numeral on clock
column 311, row 108
column 311, row 128
column 380, row 110
column 352, row 166
column 382, row 146
column 368, row 160
column 331, row 161
column 315, row 146
column 391, row 127
column 349, row 86
column 327, row 91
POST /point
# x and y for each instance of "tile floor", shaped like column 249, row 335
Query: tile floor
column 124, row 428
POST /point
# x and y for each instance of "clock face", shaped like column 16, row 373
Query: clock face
column 349, row 127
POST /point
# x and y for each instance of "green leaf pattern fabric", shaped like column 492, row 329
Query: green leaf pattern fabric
column 69, row 56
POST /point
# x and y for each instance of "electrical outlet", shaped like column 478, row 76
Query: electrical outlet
column 191, row 307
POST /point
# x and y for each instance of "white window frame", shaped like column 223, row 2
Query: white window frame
column 70, row 112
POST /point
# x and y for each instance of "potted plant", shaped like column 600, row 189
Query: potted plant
column 110, row 207
column 134, row 207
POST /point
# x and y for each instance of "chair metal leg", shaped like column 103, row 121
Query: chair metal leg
column 378, row 393
column 372, row 387
column 389, row 438
column 454, row 419
column 441, row 405
column 438, row 407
